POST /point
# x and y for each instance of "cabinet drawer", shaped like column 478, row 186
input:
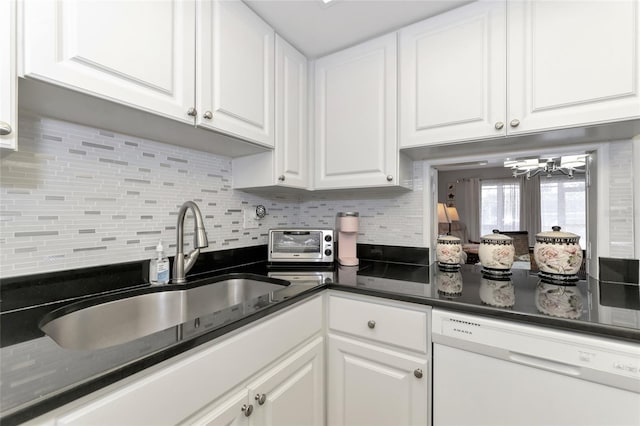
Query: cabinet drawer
column 396, row 326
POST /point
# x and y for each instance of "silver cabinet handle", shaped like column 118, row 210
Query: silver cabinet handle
column 208, row 115
column 5, row 128
column 261, row 398
column 499, row 125
column 514, row 123
column 371, row 324
column 389, row 178
column 192, row 112
column 281, row 178
column 418, row 373
column 247, row 409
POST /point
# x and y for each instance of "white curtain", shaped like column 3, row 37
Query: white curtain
column 472, row 204
column 530, row 207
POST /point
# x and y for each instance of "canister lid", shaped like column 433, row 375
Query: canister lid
column 557, row 236
column 448, row 239
column 348, row 214
column 496, row 238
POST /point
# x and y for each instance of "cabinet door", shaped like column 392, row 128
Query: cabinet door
column 291, row 116
column 139, row 53
column 371, row 385
column 453, row 76
column 291, row 393
column 572, row 63
column 355, row 109
column 8, row 81
column 231, row 411
column 235, row 71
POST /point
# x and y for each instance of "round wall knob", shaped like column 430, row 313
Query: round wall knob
column 389, row 178
column 192, row 112
column 281, row 178
column 418, row 373
column 515, row 122
column 499, row 125
column 247, row 409
column 371, row 324
column 5, row 128
column 208, row 115
column 261, row 398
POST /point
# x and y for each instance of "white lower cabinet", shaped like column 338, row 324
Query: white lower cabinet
column 378, row 363
column 372, row 385
column 290, row 393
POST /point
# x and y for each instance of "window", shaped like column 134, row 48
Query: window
column 499, row 205
column 563, row 203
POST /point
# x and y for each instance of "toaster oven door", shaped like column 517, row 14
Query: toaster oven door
column 295, row 246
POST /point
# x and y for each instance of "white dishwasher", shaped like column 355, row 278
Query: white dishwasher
column 494, row 372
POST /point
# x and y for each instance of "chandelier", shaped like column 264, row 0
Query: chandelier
column 566, row 165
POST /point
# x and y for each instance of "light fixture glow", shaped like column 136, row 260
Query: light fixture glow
column 568, row 166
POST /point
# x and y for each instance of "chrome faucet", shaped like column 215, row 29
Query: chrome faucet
column 180, row 267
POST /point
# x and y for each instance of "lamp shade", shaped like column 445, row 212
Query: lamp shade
column 442, row 213
column 452, row 214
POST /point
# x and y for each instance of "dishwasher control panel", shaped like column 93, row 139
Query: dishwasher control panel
column 562, row 351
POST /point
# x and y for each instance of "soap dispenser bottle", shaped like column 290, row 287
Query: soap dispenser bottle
column 159, row 267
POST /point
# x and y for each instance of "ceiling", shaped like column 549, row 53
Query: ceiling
column 316, row 28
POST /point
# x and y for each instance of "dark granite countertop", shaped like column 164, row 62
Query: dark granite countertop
column 38, row 375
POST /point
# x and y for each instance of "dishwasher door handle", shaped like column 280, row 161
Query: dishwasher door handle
column 546, row 364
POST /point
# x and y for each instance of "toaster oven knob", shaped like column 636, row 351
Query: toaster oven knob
column 327, row 238
column 327, row 252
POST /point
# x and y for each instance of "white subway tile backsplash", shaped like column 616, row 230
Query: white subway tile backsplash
column 621, row 234
column 75, row 196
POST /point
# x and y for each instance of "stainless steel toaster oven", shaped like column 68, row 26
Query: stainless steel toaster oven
column 301, row 245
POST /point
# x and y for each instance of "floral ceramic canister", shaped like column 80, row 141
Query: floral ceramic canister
column 558, row 252
column 448, row 251
column 496, row 251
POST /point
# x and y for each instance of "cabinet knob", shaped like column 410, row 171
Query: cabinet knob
column 192, row 112
column 5, row 128
column 371, row 324
column 208, row 115
column 499, row 125
column 261, row 398
column 515, row 122
column 281, row 178
column 389, row 178
column 418, row 373
column 247, row 409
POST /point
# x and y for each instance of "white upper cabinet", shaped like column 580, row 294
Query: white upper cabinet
column 8, row 82
column 291, row 116
column 139, row 53
column 573, row 63
column 287, row 164
column 355, row 116
column 452, row 76
column 495, row 68
column 235, row 93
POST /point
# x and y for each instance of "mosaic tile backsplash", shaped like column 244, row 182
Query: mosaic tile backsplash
column 621, row 193
column 75, row 196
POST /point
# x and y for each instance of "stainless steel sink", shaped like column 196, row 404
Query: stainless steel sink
column 113, row 322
